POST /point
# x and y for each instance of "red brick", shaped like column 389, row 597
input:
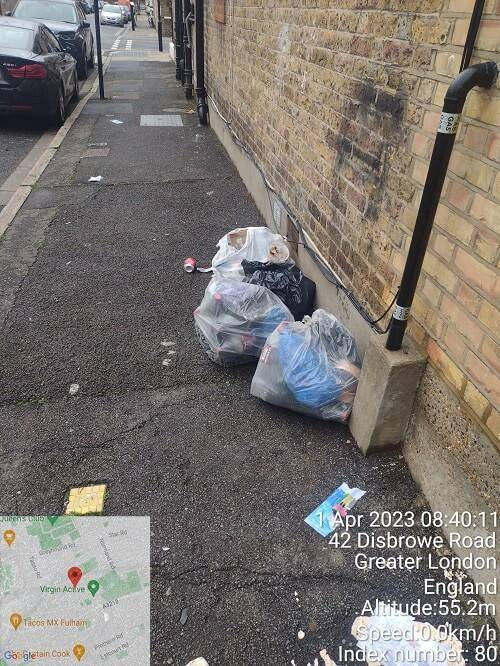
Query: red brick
column 421, row 145
column 469, row 298
column 459, row 195
column 484, row 378
column 486, row 245
column 488, row 212
column 477, row 273
column 454, row 344
column 446, row 366
column 493, row 147
column 475, row 138
column 491, row 352
column 493, row 423
column 457, row 316
column 443, row 246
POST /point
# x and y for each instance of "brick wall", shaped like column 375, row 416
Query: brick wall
column 338, row 100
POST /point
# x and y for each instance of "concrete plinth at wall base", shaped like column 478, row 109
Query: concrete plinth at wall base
column 386, row 392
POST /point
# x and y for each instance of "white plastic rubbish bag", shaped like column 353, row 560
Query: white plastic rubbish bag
column 235, row 318
column 311, row 367
column 250, row 243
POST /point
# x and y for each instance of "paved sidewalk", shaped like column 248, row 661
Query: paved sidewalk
column 91, row 284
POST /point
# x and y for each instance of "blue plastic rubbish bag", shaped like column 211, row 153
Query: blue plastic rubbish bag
column 311, row 367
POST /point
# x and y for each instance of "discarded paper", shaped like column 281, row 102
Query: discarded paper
column 95, row 179
column 327, row 516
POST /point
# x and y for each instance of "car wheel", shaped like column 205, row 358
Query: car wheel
column 91, row 58
column 60, row 112
column 83, row 68
column 76, row 92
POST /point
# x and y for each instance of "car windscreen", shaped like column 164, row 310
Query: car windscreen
column 63, row 12
column 16, row 38
column 113, row 9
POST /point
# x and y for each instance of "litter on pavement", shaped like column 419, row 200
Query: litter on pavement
column 191, row 266
column 95, row 179
column 234, row 320
column 198, row 662
column 326, row 517
column 403, row 641
column 117, row 122
column 310, row 367
column 184, row 616
column 328, row 661
column 73, row 389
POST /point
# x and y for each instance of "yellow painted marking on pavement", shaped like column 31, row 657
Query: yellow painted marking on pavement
column 86, row 500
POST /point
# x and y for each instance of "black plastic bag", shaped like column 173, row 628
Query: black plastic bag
column 286, row 281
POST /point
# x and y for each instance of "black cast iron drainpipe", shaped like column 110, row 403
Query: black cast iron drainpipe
column 188, row 58
column 483, row 75
column 178, row 39
column 201, row 93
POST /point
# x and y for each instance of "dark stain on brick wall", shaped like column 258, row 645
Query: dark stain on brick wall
column 362, row 145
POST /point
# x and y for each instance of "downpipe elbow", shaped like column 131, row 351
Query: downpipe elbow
column 202, row 109
column 483, row 75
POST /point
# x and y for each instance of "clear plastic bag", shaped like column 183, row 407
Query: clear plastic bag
column 251, row 243
column 286, row 281
column 234, row 320
column 310, row 367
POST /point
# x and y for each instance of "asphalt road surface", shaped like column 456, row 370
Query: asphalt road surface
column 18, row 135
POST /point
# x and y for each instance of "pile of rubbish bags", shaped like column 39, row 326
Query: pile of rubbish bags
column 235, row 319
column 258, row 306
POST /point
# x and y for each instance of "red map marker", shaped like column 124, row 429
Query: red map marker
column 74, row 574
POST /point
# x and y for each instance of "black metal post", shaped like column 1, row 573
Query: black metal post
column 201, row 94
column 188, row 58
column 99, row 49
column 132, row 15
column 159, row 27
column 483, row 75
column 178, row 39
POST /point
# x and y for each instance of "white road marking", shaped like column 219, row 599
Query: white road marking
column 128, row 44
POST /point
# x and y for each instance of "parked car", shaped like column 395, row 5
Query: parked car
column 68, row 22
column 112, row 15
column 36, row 75
column 126, row 4
column 124, row 11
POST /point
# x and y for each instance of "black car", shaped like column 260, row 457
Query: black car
column 67, row 21
column 36, row 75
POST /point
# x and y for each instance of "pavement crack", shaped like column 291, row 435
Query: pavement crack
column 273, row 577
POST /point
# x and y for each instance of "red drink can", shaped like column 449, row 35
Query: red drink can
column 190, row 265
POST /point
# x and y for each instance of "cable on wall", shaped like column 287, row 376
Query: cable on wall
column 323, row 267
